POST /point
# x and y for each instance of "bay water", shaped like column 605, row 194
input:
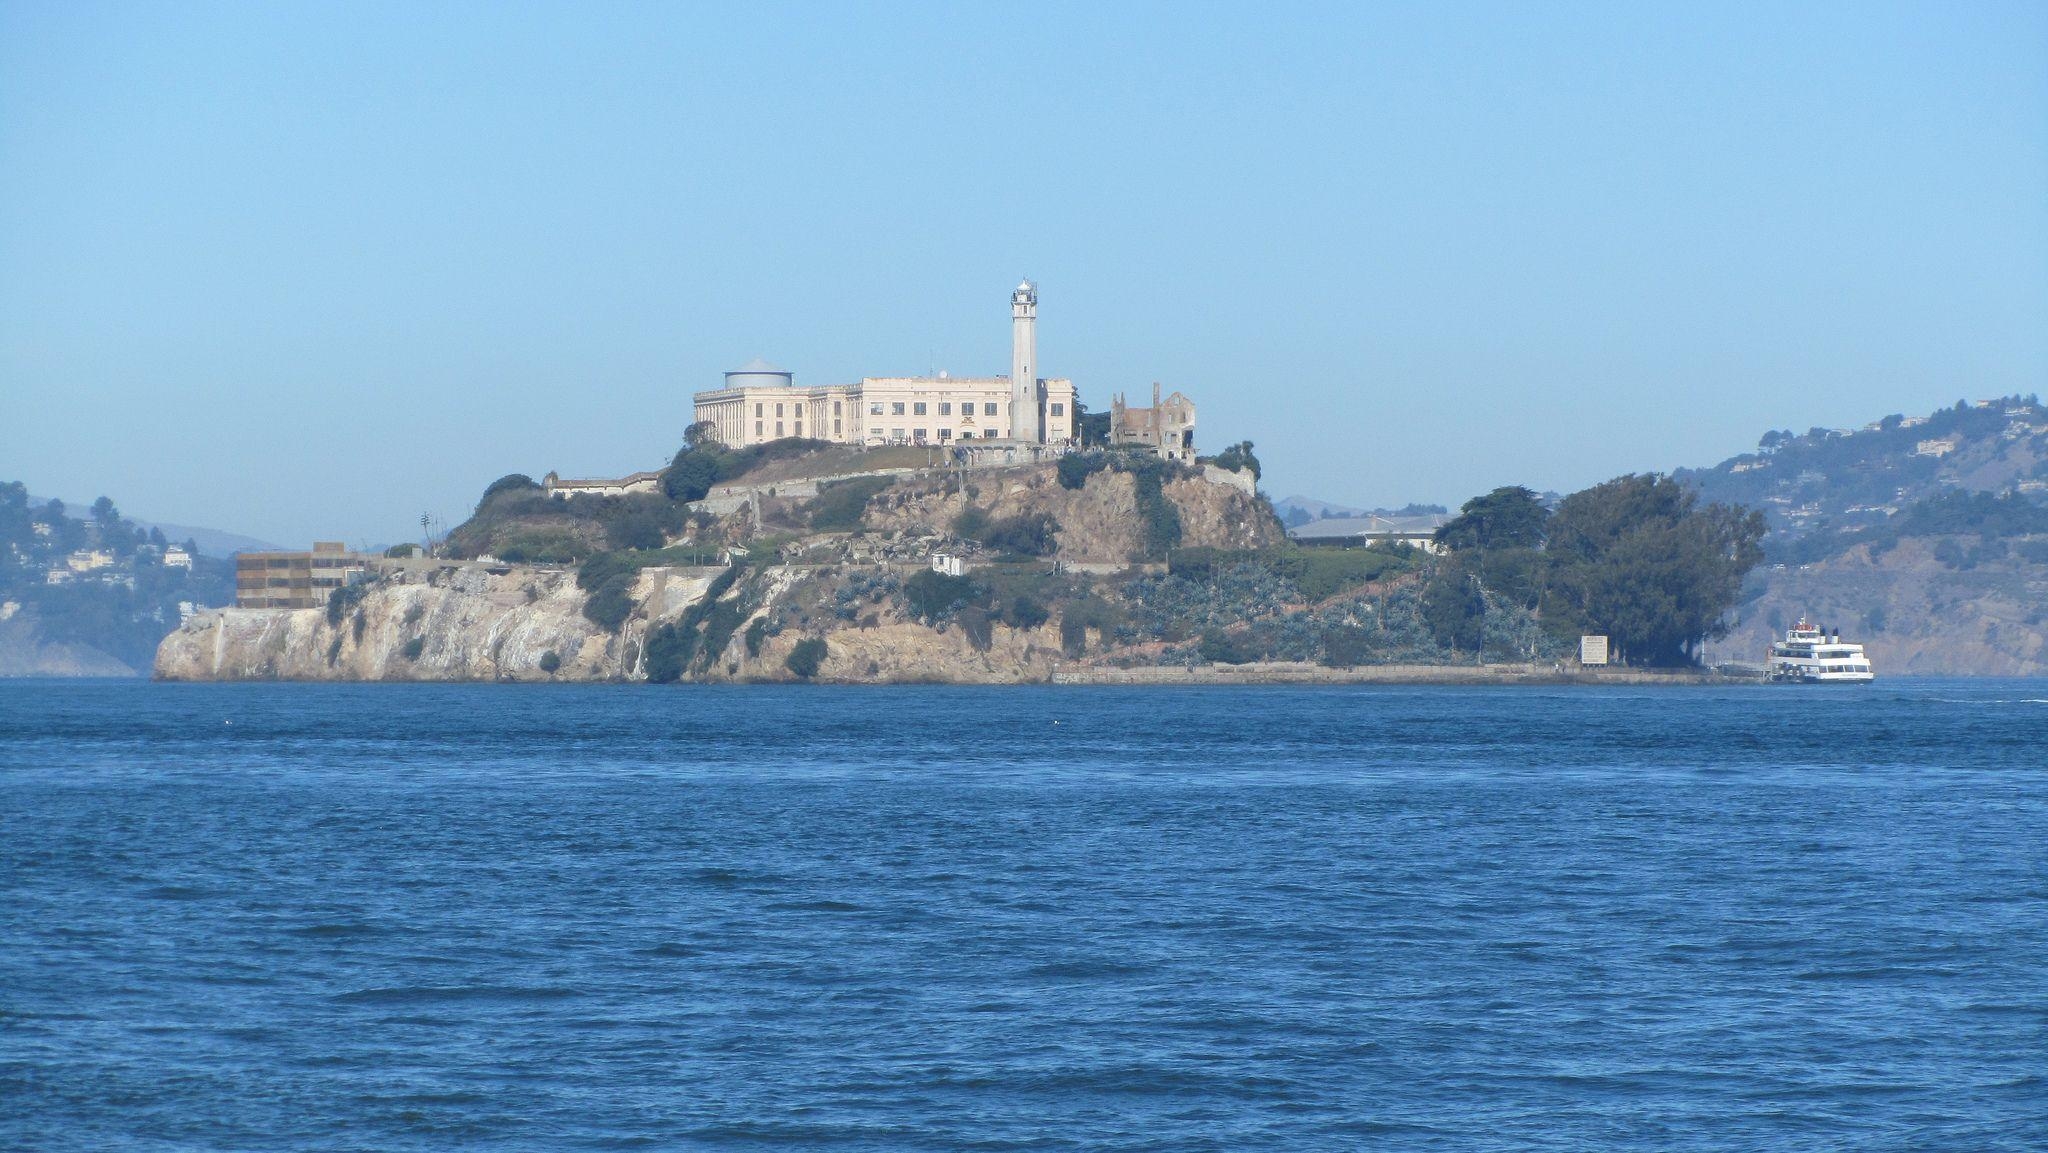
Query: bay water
column 602, row 917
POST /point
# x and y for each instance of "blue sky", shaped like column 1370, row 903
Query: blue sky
column 310, row 270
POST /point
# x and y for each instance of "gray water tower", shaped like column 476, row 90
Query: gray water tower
column 758, row 373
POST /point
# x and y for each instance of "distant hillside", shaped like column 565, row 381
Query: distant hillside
column 1925, row 537
column 93, row 594
column 1832, row 480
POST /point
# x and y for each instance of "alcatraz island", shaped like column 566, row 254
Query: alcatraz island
column 978, row 530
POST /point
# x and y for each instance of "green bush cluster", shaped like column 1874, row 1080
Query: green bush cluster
column 1238, row 458
column 932, row 596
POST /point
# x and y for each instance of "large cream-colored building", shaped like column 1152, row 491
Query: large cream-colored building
column 761, row 402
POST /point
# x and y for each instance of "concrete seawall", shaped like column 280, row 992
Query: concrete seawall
column 1308, row 674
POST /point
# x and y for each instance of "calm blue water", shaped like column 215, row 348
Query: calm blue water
column 396, row 917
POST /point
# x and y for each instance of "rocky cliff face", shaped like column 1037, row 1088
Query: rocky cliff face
column 1100, row 523
column 459, row 624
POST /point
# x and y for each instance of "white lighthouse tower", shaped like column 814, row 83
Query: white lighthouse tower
column 1024, row 415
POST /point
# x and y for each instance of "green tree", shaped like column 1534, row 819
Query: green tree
column 1453, row 607
column 1639, row 559
column 1507, row 517
column 690, row 475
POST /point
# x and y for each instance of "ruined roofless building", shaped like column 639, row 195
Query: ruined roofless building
column 1167, row 428
column 760, row 402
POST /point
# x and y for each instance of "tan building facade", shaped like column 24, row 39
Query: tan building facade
column 296, row 580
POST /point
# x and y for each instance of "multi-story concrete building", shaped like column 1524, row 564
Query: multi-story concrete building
column 297, row 580
column 761, row 402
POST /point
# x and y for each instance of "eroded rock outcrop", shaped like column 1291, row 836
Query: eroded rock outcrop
column 457, row 624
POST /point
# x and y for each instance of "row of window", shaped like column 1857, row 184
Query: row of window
column 759, row 408
column 797, row 431
column 922, row 408
column 917, row 408
column 919, row 435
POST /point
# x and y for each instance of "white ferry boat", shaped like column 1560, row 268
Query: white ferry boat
column 1815, row 656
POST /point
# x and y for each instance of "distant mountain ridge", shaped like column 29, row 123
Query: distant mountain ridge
column 1837, row 480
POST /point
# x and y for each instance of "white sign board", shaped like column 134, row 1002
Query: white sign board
column 1593, row 650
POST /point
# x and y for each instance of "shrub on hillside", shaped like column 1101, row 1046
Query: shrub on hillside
column 560, row 547
column 1077, row 617
column 807, row 657
column 1076, row 467
column 516, row 482
column 1222, row 648
column 838, row 506
column 1029, row 534
column 1025, row 613
column 979, row 627
column 1345, row 646
column 341, row 600
column 970, row 524
column 668, row 652
column 611, row 603
column 932, row 596
column 639, row 529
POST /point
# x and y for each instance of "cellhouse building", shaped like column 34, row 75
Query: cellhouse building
column 761, row 402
